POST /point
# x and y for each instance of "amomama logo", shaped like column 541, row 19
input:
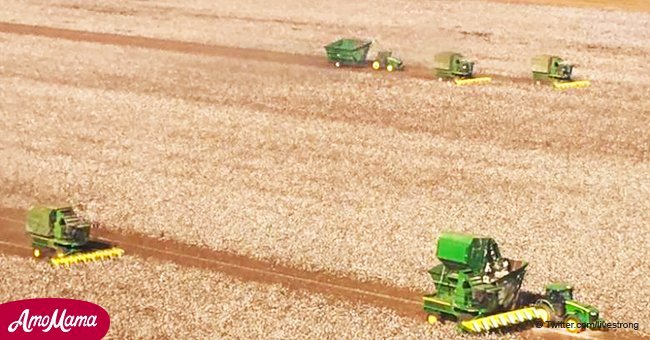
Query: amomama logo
column 52, row 318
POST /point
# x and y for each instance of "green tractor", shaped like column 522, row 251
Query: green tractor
column 59, row 233
column 554, row 70
column 562, row 308
column 386, row 60
column 473, row 279
column 452, row 65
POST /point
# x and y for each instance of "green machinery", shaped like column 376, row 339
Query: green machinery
column 61, row 233
column 561, row 307
column 554, row 70
column 354, row 52
column 479, row 288
column 452, row 65
column 473, row 279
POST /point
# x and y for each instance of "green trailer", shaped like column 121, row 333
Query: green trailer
column 348, row 52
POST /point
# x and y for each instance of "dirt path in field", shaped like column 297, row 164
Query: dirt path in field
column 412, row 71
column 627, row 5
column 14, row 241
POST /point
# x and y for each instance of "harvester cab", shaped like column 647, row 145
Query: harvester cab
column 64, row 236
column 555, row 70
column 451, row 65
column 385, row 59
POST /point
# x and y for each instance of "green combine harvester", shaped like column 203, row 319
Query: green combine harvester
column 554, row 70
column 452, row 65
column 479, row 288
column 61, row 235
column 354, row 52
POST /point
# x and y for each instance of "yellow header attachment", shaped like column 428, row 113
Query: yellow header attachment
column 93, row 256
column 571, row 84
column 472, row 81
column 503, row 320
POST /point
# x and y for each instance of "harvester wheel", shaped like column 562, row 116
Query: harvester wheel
column 337, row 64
column 36, row 252
column 433, row 318
column 390, row 68
column 376, row 65
column 572, row 324
column 440, row 79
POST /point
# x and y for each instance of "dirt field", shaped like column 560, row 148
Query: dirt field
column 285, row 159
column 175, row 301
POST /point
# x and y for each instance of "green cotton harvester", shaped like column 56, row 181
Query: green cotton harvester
column 473, row 279
column 63, row 237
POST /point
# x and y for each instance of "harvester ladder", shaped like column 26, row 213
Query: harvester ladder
column 506, row 319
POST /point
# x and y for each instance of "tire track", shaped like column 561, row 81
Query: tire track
column 14, row 241
column 411, row 71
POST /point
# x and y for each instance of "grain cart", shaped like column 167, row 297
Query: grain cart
column 64, row 237
column 354, row 52
column 558, row 302
column 452, row 65
column 554, row 70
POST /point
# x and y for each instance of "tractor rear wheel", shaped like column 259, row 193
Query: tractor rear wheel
column 376, row 65
column 573, row 324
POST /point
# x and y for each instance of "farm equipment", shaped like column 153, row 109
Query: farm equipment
column 354, row 52
column 479, row 288
column 561, row 307
column 451, row 65
column 554, row 70
column 61, row 234
column 386, row 60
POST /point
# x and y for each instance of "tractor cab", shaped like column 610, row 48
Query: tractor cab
column 462, row 67
column 560, row 69
column 558, row 294
column 453, row 65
